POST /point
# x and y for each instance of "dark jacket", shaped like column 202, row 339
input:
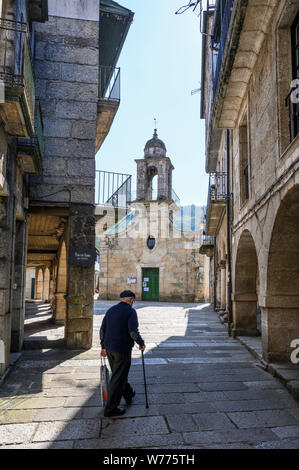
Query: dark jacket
column 119, row 329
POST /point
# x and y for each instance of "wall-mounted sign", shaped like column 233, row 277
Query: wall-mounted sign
column 146, row 289
column 82, row 256
column 131, row 280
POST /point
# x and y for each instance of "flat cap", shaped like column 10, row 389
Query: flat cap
column 127, row 293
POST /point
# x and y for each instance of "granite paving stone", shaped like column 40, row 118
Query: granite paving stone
column 213, row 421
column 222, row 386
column 17, row 416
column 139, row 426
column 250, row 405
column 16, row 433
column 58, row 414
column 186, row 408
column 204, row 397
column 282, row 444
column 223, row 437
column 127, row 442
column 268, row 418
column 287, row 431
column 61, row 431
column 180, row 423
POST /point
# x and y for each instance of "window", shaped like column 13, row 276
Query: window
column 244, row 162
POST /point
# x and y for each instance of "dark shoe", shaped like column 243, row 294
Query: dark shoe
column 129, row 400
column 115, row 412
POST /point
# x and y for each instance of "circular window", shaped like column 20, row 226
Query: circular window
column 151, row 242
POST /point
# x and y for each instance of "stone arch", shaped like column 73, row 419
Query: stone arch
column 61, row 286
column 152, row 181
column 280, row 315
column 39, row 284
column 46, row 285
column 245, row 297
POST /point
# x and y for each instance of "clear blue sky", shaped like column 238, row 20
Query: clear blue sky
column 160, row 65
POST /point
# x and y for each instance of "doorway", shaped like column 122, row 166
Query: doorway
column 150, row 284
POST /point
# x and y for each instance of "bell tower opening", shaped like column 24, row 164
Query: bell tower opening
column 154, row 172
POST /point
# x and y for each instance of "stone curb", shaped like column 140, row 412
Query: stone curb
column 276, row 370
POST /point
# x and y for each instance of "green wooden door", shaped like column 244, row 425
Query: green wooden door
column 150, row 284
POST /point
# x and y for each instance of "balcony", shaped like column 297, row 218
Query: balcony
column 30, row 151
column 108, row 101
column 17, row 78
column 216, row 202
column 293, row 105
column 207, row 245
column 113, row 189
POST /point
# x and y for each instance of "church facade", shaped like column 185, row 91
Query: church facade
column 152, row 250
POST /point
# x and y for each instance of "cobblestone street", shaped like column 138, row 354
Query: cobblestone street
column 205, row 390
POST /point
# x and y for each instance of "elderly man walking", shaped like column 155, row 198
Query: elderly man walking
column 118, row 333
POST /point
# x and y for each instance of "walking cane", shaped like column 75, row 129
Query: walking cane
column 144, row 380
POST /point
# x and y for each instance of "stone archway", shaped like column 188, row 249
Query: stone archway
column 245, row 288
column 280, row 315
column 39, row 288
column 61, row 287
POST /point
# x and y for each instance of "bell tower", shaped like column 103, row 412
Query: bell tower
column 155, row 163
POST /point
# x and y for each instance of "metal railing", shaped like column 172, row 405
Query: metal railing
column 113, row 189
column 16, row 65
column 223, row 13
column 293, row 106
column 38, row 137
column 217, row 188
column 208, row 240
column 109, row 83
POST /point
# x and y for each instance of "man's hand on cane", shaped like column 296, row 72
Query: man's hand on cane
column 142, row 348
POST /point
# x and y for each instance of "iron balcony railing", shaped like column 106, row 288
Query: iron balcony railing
column 109, row 83
column 208, row 240
column 113, row 189
column 37, row 139
column 16, row 65
column 293, row 104
column 217, row 188
column 222, row 19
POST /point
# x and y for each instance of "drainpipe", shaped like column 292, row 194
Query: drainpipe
column 228, row 240
column 215, row 274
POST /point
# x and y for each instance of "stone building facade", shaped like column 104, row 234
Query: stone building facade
column 147, row 251
column 250, row 103
column 57, row 68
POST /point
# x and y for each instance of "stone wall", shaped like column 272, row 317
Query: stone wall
column 66, row 69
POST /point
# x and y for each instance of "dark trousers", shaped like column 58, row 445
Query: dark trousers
column 118, row 385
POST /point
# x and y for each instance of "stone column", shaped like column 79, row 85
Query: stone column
column 79, row 321
column 17, row 331
column 7, row 223
column 280, row 326
column 223, row 284
column 244, row 315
